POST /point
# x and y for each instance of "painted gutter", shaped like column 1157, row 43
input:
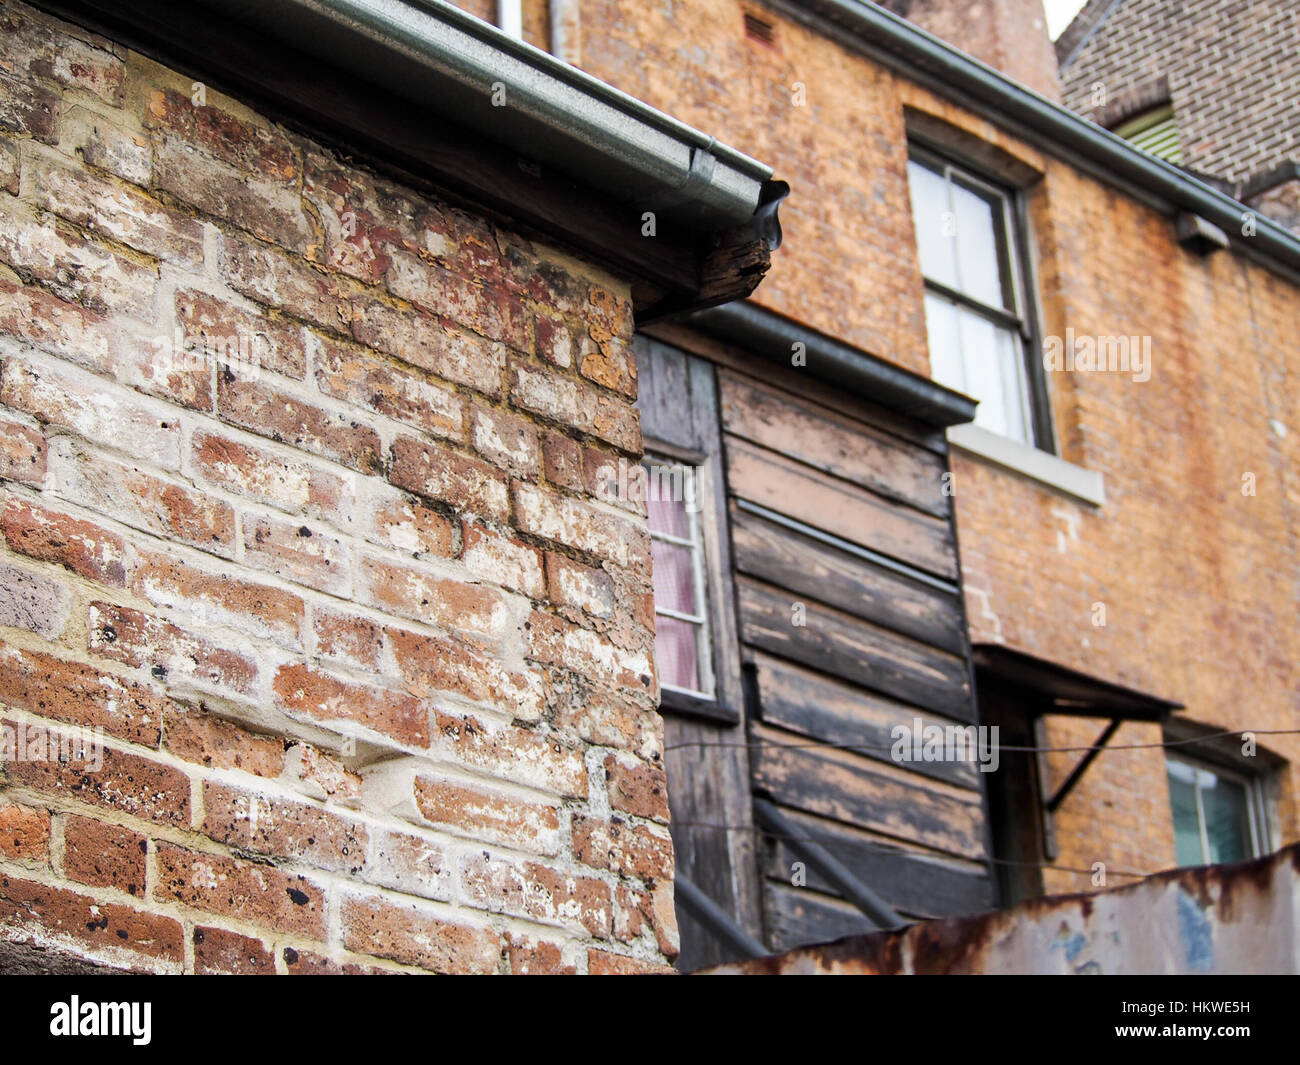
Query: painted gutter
column 923, row 57
column 511, row 92
column 772, row 336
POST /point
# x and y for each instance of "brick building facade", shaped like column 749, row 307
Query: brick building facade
column 1228, row 72
column 362, row 643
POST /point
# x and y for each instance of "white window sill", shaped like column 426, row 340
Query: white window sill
column 1085, row 485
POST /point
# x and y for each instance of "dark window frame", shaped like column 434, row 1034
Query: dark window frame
column 1016, row 251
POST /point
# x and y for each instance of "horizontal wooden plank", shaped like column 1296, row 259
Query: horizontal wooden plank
column 822, row 709
column 855, row 650
column 834, row 444
column 912, row 883
column 907, row 806
column 799, row 917
column 815, row 570
column 841, row 508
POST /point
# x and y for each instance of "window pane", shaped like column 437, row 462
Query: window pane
column 1187, row 830
column 934, row 224
column 979, row 263
column 945, row 343
column 1227, row 824
column 667, row 515
column 674, row 577
column 675, row 651
column 994, row 374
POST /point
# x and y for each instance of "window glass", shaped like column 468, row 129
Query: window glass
column 1214, row 814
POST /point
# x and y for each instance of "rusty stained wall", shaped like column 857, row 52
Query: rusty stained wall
column 1219, row 919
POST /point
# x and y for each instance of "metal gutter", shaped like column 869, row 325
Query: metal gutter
column 968, row 82
column 773, row 336
column 511, row 92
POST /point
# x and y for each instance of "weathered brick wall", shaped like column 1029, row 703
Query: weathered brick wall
column 370, row 664
column 1201, row 583
column 1008, row 35
column 1233, row 71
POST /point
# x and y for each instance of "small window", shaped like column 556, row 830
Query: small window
column 1218, row 814
column 1154, row 131
column 682, row 642
column 976, row 303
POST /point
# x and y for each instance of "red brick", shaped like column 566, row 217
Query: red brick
column 358, row 377
column 258, row 894
column 574, row 523
column 429, row 663
column 36, row 601
column 637, row 788
column 92, row 409
column 424, row 341
column 275, row 346
column 256, row 474
column 104, row 855
column 537, row 892
column 119, row 211
column 551, row 639
column 135, row 638
column 75, row 269
column 282, row 828
column 22, row 454
column 491, row 313
column 321, row 776
column 572, row 584
column 206, row 740
column 502, row 560
column 536, row 957
column 257, row 149
column 507, row 440
column 409, row 864
column 44, row 48
column 125, row 783
column 35, row 909
column 74, row 332
column 143, row 501
column 262, row 610
column 562, row 460
column 576, row 404
column 407, row 525
column 603, row 963
column 447, row 477
column 322, row 697
column 416, row 935
column 220, row 951
column 609, row 362
column 440, row 601
column 280, row 417
column 80, row 695
column 24, row 833
column 629, row 850
column 347, row 639
column 266, row 209
column 28, row 108
column 284, row 282
column 485, row 815
column 305, row 554
column 521, row 755
column 52, row 536
column 307, row 963
column 554, row 341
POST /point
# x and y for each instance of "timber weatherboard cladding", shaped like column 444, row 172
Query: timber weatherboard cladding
column 883, row 643
column 838, row 505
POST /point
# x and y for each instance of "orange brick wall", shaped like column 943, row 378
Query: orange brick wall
column 352, row 646
column 1201, row 584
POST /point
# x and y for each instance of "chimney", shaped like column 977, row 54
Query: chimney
column 1008, row 35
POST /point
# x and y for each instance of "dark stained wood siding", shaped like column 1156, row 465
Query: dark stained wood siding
column 850, row 621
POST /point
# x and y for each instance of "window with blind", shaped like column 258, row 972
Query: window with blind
column 1154, row 131
column 981, row 335
column 682, row 639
